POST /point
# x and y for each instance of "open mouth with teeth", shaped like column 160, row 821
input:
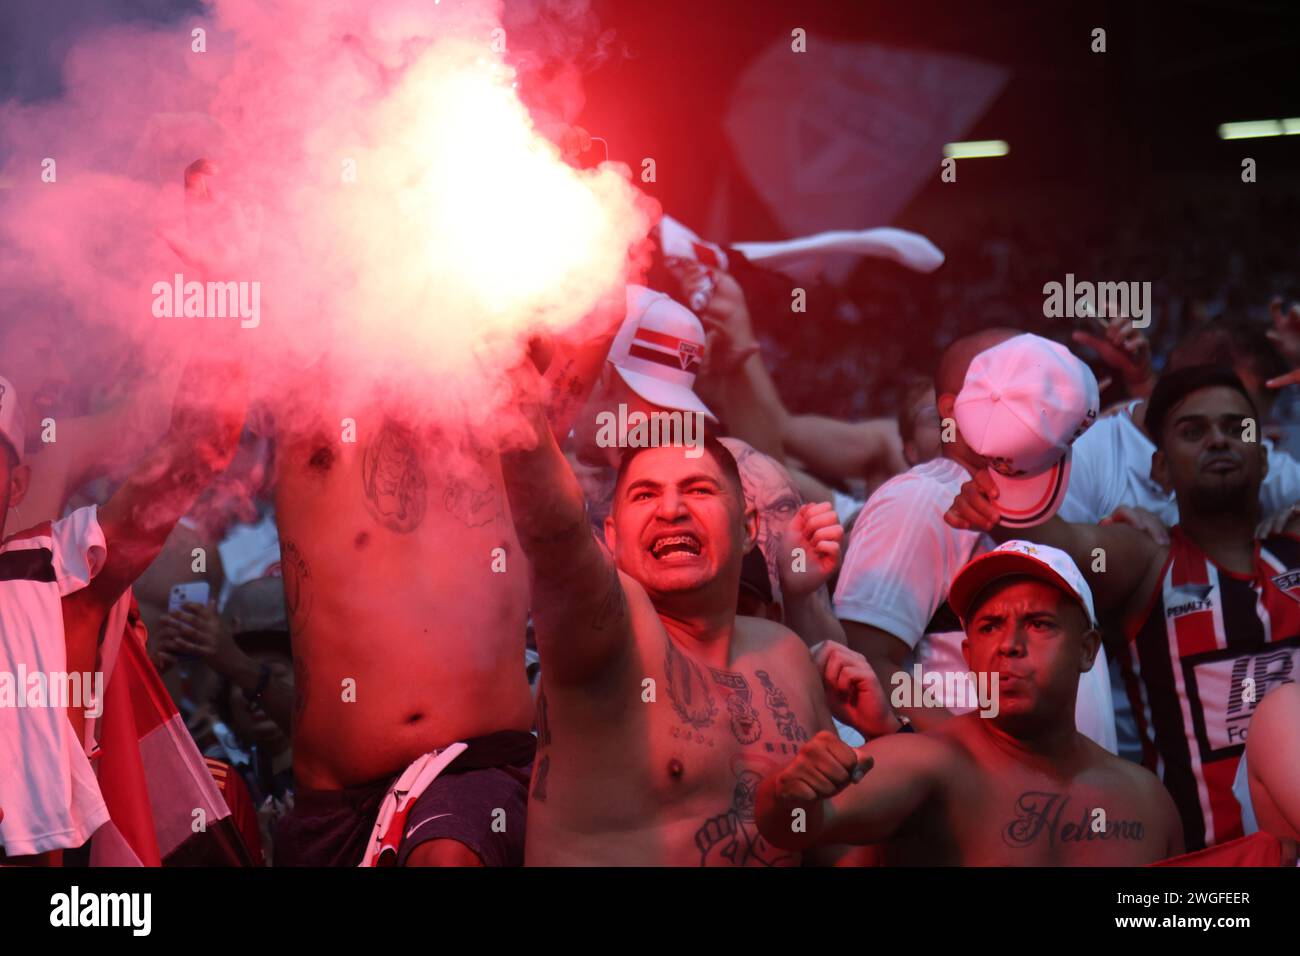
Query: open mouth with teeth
column 675, row 546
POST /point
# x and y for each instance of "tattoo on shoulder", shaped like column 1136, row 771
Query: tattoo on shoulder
column 1041, row 814
column 787, row 724
column 687, row 688
column 299, row 589
column 745, row 725
column 393, row 479
column 732, row 838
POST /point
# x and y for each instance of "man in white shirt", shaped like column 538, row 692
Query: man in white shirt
column 902, row 556
column 58, row 581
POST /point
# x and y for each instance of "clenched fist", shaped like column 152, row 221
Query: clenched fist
column 816, row 533
column 825, row 766
column 853, row 690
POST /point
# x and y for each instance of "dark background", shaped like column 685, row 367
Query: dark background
column 1116, row 170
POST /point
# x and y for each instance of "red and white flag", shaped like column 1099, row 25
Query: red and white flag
column 151, row 774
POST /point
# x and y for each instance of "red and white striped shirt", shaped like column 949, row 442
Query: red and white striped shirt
column 1208, row 648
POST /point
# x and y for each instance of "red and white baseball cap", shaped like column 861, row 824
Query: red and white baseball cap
column 1021, row 406
column 11, row 417
column 659, row 350
column 1019, row 558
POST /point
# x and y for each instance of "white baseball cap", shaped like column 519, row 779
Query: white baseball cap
column 1048, row 564
column 658, row 351
column 1021, row 406
column 11, row 417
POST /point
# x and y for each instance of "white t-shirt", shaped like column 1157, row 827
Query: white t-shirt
column 900, row 560
column 48, row 791
column 1111, row 468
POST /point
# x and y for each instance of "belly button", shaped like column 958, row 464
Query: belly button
column 415, row 718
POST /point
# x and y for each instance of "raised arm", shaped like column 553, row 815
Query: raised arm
column 832, row 793
column 834, row 448
column 207, row 416
column 576, row 365
column 580, row 615
column 1115, row 558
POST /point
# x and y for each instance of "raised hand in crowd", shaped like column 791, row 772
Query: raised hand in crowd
column 1124, row 349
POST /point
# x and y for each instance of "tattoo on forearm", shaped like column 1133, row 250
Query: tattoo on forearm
column 393, row 479
column 787, row 724
column 745, row 724
column 540, row 774
column 1041, row 814
column 688, row 689
column 299, row 590
column 613, row 609
column 733, row 838
column 543, row 766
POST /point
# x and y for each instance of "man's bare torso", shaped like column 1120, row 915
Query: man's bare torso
column 624, row 780
column 994, row 810
column 405, row 638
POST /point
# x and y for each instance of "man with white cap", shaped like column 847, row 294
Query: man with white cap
column 1016, row 787
column 1009, row 402
column 650, row 371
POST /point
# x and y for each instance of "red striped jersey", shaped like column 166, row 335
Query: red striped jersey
column 1209, row 647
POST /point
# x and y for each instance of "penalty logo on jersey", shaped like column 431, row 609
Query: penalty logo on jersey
column 1189, row 599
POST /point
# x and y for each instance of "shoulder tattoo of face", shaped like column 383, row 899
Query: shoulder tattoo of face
column 393, row 479
column 688, row 689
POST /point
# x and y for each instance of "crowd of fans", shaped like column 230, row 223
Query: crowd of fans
column 772, row 599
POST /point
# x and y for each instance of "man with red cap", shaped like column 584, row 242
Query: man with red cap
column 1211, row 619
column 1019, row 788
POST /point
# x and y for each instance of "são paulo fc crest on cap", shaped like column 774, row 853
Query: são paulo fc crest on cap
column 690, row 354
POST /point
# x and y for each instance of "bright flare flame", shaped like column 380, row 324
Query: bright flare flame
column 472, row 221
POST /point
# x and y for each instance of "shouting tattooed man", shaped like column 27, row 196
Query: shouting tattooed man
column 1021, row 788
column 660, row 709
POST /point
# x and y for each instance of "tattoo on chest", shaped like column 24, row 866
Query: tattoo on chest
column 393, row 479
column 473, row 503
column 688, row 689
column 744, row 718
column 299, row 589
column 732, row 838
column 787, row 724
column 1040, row 814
